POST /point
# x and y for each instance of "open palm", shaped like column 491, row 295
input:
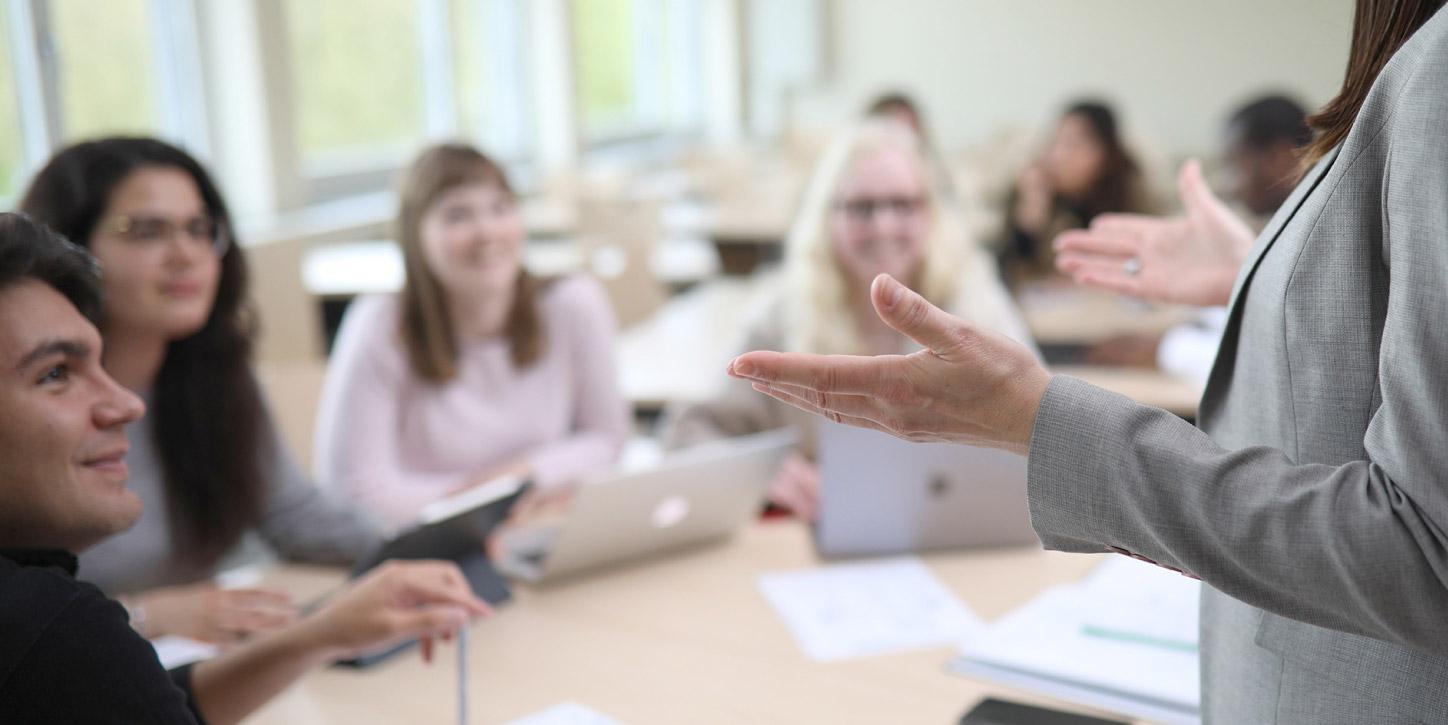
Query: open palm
column 1191, row 259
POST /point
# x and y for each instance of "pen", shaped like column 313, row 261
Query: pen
column 462, row 645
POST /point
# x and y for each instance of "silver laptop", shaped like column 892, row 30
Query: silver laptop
column 883, row 495
column 694, row 496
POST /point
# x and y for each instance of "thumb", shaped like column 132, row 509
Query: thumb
column 911, row 315
column 1196, row 196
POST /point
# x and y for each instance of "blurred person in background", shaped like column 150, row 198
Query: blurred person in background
column 1084, row 171
column 476, row 369
column 869, row 208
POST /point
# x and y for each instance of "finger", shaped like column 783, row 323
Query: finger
column 426, row 645
column 811, row 407
column 1119, row 222
column 1072, row 262
column 1117, row 242
column 808, row 487
column 913, row 316
column 1112, row 281
column 219, row 635
column 440, row 582
column 428, row 621
column 786, row 497
column 255, row 620
column 855, row 406
column 1192, row 186
column 258, row 597
column 834, row 373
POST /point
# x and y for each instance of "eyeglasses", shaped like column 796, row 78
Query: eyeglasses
column 864, row 209
column 151, row 231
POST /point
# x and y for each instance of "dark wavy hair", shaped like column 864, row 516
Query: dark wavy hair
column 206, row 407
column 30, row 251
column 1119, row 186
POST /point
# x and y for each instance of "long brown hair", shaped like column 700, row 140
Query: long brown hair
column 427, row 329
column 1118, row 188
column 206, row 407
column 1380, row 27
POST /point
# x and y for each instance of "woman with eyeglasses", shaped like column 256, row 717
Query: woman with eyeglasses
column 206, row 460
column 870, row 208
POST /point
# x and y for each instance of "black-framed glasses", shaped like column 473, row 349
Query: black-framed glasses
column 864, row 209
column 150, row 231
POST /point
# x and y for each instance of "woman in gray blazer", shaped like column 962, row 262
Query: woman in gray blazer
column 1313, row 501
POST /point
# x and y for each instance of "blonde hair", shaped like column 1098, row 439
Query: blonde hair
column 816, row 309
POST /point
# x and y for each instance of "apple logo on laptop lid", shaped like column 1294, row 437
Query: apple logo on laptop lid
column 670, row 512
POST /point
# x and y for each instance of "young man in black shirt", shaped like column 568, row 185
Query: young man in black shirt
column 67, row 653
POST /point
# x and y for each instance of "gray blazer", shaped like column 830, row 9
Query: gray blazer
column 1315, row 503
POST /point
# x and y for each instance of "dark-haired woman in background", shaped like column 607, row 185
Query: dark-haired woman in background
column 1084, row 171
column 477, row 369
column 206, row 461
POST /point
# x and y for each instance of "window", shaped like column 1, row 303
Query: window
column 12, row 144
column 356, row 77
column 489, row 67
column 105, row 67
column 637, row 65
column 603, row 43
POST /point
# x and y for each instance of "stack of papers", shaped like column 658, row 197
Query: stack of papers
column 860, row 609
column 1124, row 639
column 176, row 651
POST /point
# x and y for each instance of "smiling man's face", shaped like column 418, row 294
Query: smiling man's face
column 62, row 427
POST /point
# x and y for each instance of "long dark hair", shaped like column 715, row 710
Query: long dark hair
column 1119, row 186
column 1379, row 29
column 426, row 320
column 205, row 406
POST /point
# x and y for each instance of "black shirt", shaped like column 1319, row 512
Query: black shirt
column 68, row 654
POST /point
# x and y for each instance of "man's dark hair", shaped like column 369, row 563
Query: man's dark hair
column 30, row 251
column 1271, row 120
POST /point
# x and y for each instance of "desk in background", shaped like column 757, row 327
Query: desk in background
column 687, row 638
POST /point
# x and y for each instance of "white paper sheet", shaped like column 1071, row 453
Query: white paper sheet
column 1129, row 630
column 861, row 609
column 175, row 651
column 566, row 713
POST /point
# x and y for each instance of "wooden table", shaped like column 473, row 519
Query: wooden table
column 686, row 638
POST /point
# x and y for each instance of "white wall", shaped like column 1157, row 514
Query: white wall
column 1174, row 68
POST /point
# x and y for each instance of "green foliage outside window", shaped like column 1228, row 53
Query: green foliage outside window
column 603, row 47
column 356, row 76
column 107, row 67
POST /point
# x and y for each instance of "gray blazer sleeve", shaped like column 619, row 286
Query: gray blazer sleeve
column 1358, row 547
column 302, row 522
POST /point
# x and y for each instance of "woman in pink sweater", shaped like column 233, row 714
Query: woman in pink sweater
column 476, row 368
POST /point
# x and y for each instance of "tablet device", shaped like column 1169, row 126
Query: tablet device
column 455, row 529
column 880, row 495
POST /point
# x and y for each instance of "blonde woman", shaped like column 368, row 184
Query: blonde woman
column 476, row 368
column 870, row 208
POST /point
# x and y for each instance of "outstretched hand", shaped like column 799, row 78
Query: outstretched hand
column 967, row 386
column 1191, row 259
